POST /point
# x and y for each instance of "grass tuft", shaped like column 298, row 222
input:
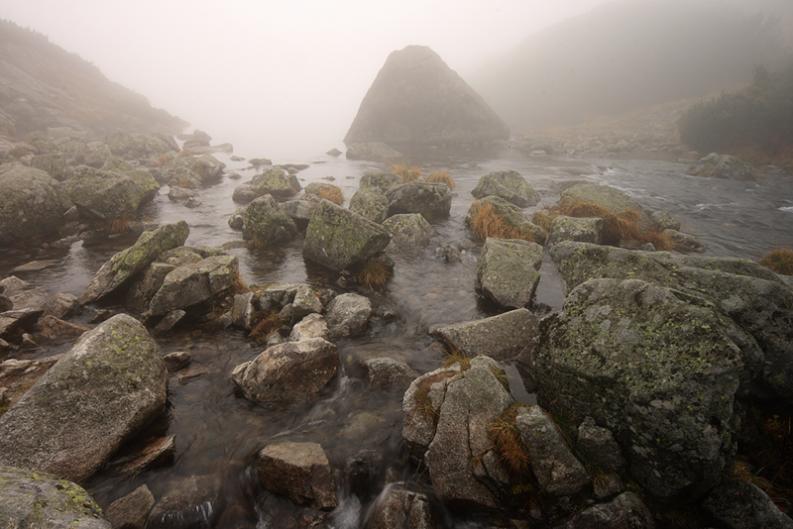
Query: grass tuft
column 441, row 177
column 266, row 327
column 780, row 260
column 486, row 222
column 504, row 435
column 408, row 173
column 374, row 274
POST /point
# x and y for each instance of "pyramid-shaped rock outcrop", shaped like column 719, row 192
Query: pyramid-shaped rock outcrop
column 417, row 103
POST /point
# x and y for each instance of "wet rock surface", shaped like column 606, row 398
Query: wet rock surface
column 299, row 471
column 508, row 271
column 510, row 186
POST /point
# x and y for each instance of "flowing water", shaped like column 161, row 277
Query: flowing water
column 217, row 433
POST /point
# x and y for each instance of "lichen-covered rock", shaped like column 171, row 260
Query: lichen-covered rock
column 140, row 146
column 144, row 285
column 399, row 508
column 348, row 315
column 288, row 372
column 508, row 271
column 338, row 238
column 103, row 195
column 626, row 511
column 656, row 367
column 196, row 283
column 110, row 384
column 31, row 206
column 266, row 224
column 244, row 194
column 421, row 405
column 507, row 218
column 510, row 186
column 388, row 373
column 324, row 190
column 277, row 183
column 598, row 447
column 433, row 201
column 608, row 198
column 576, row 229
column 312, row 326
column 380, row 182
column 370, row 204
column 741, row 505
column 124, row 265
column 716, row 165
column 35, row 500
column 299, row 471
column 300, row 210
column 409, row 232
column 508, row 336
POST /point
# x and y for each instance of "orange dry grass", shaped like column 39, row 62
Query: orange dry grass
column 485, row 222
column 544, row 219
column 441, row 177
column 119, row 225
column 779, row 260
column 266, row 326
column 374, row 274
column 407, row 173
column 332, row 194
column 505, row 437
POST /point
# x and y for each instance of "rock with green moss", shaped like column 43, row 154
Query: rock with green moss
column 191, row 172
column 316, row 190
column 338, row 239
column 265, row 223
column 500, row 218
column 410, row 232
column 140, row 146
column 195, row 284
column 379, row 182
column 126, row 264
column 104, row 196
column 584, row 229
column 509, row 271
column 608, row 198
column 31, row 205
column 433, row 201
column 108, row 386
column 277, row 183
column 370, row 203
column 748, row 293
column 42, row 501
column 510, row 186
column 658, row 367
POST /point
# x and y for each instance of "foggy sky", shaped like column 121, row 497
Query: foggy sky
column 279, row 79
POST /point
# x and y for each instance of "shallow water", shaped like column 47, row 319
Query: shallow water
column 217, row 432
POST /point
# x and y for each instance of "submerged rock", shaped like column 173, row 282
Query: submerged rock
column 266, row 224
column 409, row 232
column 131, row 511
column 299, row 471
column 110, row 384
column 508, row 271
column 31, row 206
column 192, row 502
column 399, row 508
column 433, row 201
column 510, row 186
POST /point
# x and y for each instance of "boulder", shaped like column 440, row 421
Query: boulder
column 741, row 505
column 608, row 198
column 110, row 384
column 576, row 229
column 379, row 182
column 312, row 326
column 31, row 206
column 388, row 373
column 300, row 211
column 421, row 405
column 348, row 315
column 433, row 201
column 374, row 151
column 288, row 372
column 409, row 232
column 299, row 471
column 244, row 194
column 277, row 183
column 140, row 146
column 722, row 166
column 626, row 511
column 194, row 284
column 370, row 204
column 266, row 224
column 659, row 369
column 598, row 447
column 105, row 196
column 399, row 508
column 339, row 239
column 131, row 511
column 508, row 271
column 495, row 217
column 327, row 191
column 124, row 265
column 144, row 285
column 508, row 336
column 510, row 186
column 35, row 500
column 418, row 102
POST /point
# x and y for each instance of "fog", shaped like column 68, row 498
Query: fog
column 280, row 79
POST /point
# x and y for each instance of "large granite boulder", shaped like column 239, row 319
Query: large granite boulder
column 508, row 271
column 577, row 229
column 40, row 501
column 31, row 206
column 338, row 239
column 659, row 368
column 104, row 195
column 495, row 217
column 370, row 203
column 140, row 146
column 195, row 283
column 409, row 232
column 433, row 201
column 379, row 181
column 299, row 471
column 111, row 383
column 277, row 183
column 510, row 186
column 417, row 102
column 265, row 223
column 124, row 265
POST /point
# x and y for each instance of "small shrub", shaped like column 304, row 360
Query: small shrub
column 441, row 177
column 504, row 435
column 374, row 274
column 407, row 173
column 779, row 260
column 486, row 222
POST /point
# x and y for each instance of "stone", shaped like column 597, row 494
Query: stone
column 339, row 239
column 54, row 329
column 742, row 505
column 556, row 468
column 722, row 166
column 31, row 205
column 508, row 271
column 334, row 152
column 379, row 182
column 508, row 336
column 181, row 255
column 509, row 218
column 329, row 192
column 409, row 232
column 655, row 367
column 177, row 360
column 179, row 194
column 299, row 471
column 144, row 285
column 510, row 186
column 598, row 447
column 418, row 102
column 117, row 271
column 236, row 221
column 193, row 502
column 579, row 229
column 374, row 151
column 398, row 508
column 193, row 284
column 288, row 372
column 36, row 500
column 433, row 201
column 140, row 146
column 608, row 198
column 389, row 374
column 300, row 211
column 421, row 405
column 277, row 183
column 626, row 511
column 244, row 194
column 15, row 322
column 169, row 321
column 370, row 204
column 131, row 511
column 110, row 384
column 34, row 266
column 348, row 315
column 157, row 452
column 312, row 326
column 243, row 311
column 103, row 196
column 266, row 224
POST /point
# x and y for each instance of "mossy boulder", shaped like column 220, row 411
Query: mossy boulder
column 510, row 186
column 370, row 203
column 265, row 223
column 195, row 284
column 103, row 195
column 31, row 205
column 110, row 384
column 380, row 182
column 433, row 201
column 140, row 146
column 277, row 183
column 410, row 232
column 495, row 217
column 584, row 229
column 659, row 368
column 338, row 239
column 608, row 198
column 508, row 271
column 124, row 265
column 324, row 190
column 191, row 172
column 42, row 501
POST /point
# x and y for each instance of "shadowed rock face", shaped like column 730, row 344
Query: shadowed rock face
column 417, row 100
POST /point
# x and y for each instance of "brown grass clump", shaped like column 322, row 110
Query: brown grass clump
column 780, row 260
column 486, row 222
column 332, row 194
column 119, row 225
column 266, row 327
column 374, row 274
column 441, row 177
column 408, row 173
column 504, row 435
column 544, row 218
column 423, row 401
column 456, row 356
